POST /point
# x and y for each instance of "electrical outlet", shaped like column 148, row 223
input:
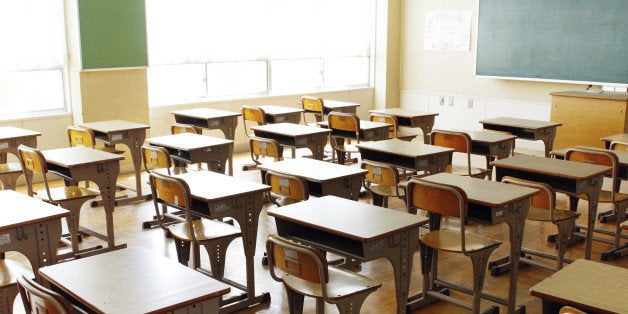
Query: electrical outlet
column 450, row 101
column 470, row 104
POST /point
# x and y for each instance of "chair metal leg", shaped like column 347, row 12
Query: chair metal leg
column 183, row 251
column 295, row 301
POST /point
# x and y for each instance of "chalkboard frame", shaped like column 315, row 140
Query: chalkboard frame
column 593, row 65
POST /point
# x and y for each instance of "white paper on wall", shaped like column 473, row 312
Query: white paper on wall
column 447, row 31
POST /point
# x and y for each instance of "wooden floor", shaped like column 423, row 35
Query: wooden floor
column 128, row 220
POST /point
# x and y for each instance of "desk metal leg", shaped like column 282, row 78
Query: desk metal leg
column 401, row 262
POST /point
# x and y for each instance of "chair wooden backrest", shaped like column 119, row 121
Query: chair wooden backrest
column 296, row 260
column 313, row 105
column 79, row 136
column 596, row 157
column 287, row 186
column 459, row 141
column 619, row 146
column 380, row 173
column 346, row 125
column 386, row 118
column 178, row 128
column 264, row 147
column 38, row 299
column 438, row 200
column 172, row 192
column 545, row 199
column 32, row 162
column 252, row 114
column 156, row 157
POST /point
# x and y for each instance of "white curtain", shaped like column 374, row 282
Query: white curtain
column 32, row 35
column 190, row 31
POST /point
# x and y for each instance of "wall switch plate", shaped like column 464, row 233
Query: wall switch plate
column 441, row 101
column 470, row 103
column 450, row 101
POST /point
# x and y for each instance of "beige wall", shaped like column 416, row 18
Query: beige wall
column 451, row 73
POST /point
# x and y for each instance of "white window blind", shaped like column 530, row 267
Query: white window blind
column 256, row 46
column 33, row 57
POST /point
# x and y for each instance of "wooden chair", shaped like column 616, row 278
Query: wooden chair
column 543, row 208
column 305, row 272
column 382, row 179
column 394, row 126
column 68, row 197
column 461, row 143
column 214, row 235
column 178, row 128
column 450, row 201
column 288, row 190
column 610, row 215
column 617, row 199
column 344, row 126
column 38, row 299
column 9, row 173
column 10, row 271
column 263, row 148
column 314, row 106
column 252, row 114
column 570, row 310
column 79, row 136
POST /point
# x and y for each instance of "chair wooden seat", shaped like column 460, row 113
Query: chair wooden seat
column 342, row 283
column 389, row 191
column 449, row 240
column 68, row 193
column 607, row 196
column 542, row 214
column 204, row 229
column 305, row 272
column 9, row 173
column 465, row 171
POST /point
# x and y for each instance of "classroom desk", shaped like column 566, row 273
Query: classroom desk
column 612, row 138
column 217, row 196
column 567, row 177
column 130, row 134
column 135, row 280
column 189, row 148
column 356, row 230
column 589, row 286
column 492, row 202
column 10, row 139
column 339, row 106
column 210, row 119
column 31, row 227
column 412, row 119
column 278, row 114
column 369, row 131
column 323, row 178
column 533, row 130
column 412, row 156
column 75, row 164
column 295, row 136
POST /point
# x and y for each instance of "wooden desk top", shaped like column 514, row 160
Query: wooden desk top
column 622, row 156
column 312, row 169
column 594, row 95
column 210, row 186
column 404, row 148
column 587, row 285
column 114, row 126
column 521, row 123
column 617, row 137
column 289, row 129
column 206, row 113
column 188, row 141
column 552, row 167
column 404, row 113
column 331, row 104
column 132, row 280
column 19, row 209
column 9, row 132
column 484, row 192
column 354, row 220
column 272, row 110
column 69, row 157
column 489, row 137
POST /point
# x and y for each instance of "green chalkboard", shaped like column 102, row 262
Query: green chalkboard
column 567, row 40
column 113, row 33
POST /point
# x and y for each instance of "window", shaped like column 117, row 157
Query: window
column 33, row 58
column 201, row 49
